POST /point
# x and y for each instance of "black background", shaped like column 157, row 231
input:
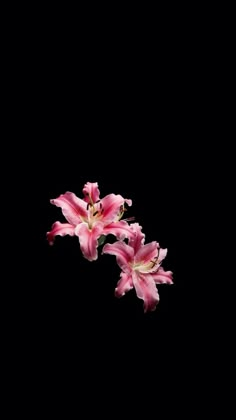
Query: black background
column 131, row 123
column 134, row 100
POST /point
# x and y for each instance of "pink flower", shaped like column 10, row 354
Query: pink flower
column 140, row 265
column 91, row 217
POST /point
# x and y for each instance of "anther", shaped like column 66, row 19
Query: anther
column 129, row 219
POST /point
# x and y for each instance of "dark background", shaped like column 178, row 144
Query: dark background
column 130, row 120
column 136, row 106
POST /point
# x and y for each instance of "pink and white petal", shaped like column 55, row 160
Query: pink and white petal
column 91, row 190
column 111, row 205
column 146, row 290
column 162, row 254
column 147, row 252
column 60, row 229
column 136, row 240
column 123, row 252
column 163, row 277
column 73, row 208
column 88, row 239
column 124, row 285
column 120, row 229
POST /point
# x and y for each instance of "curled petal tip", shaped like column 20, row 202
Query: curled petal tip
column 129, row 202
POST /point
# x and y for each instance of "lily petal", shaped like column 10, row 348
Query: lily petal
column 128, row 201
column 91, row 191
column 124, row 284
column 123, row 252
column 111, row 205
column 146, row 289
column 136, row 240
column 89, row 239
column 147, row 252
column 120, row 229
column 73, row 208
column 162, row 254
column 60, row 229
column 163, row 276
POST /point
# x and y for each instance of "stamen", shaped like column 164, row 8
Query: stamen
column 155, row 261
column 96, row 212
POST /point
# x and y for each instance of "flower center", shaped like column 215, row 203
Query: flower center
column 95, row 211
column 147, row 267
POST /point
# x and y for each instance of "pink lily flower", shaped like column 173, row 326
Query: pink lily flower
column 91, row 217
column 140, row 265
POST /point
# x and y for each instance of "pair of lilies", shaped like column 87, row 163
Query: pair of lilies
column 91, row 219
